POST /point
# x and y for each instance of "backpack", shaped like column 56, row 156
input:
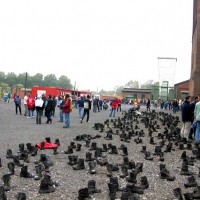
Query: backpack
column 86, row 104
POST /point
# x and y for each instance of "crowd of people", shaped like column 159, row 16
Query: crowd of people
column 191, row 118
column 45, row 106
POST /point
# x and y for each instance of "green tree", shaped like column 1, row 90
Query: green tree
column 37, row 80
column 11, row 79
column 50, row 80
column 102, row 92
column 147, row 85
column 118, row 90
column 132, row 84
column 64, row 82
column 2, row 77
column 4, row 84
column 21, row 78
column 19, row 85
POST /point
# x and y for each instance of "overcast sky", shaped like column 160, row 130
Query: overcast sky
column 99, row 44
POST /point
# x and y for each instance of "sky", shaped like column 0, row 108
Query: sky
column 99, row 44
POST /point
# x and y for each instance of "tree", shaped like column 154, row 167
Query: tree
column 64, row 82
column 132, row 84
column 2, row 77
column 3, row 84
column 102, row 92
column 50, row 80
column 19, row 85
column 118, row 90
column 37, row 80
column 11, row 79
column 21, row 78
column 147, row 85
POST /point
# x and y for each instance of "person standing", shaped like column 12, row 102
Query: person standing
column 87, row 108
column 119, row 105
column 61, row 101
column 49, row 104
column 113, row 107
column 175, row 105
column 9, row 96
column 193, row 129
column 66, row 109
column 94, row 102
column 197, row 119
column 179, row 104
column 100, row 104
column 148, row 104
column 186, row 117
column 18, row 104
column 55, row 104
column 80, row 106
column 25, row 105
column 39, row 106
column 30, row 106
column 44, row 99
column 6, row 97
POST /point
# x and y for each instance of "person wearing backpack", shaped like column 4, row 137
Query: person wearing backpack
column 18, row 104
column 87, row 108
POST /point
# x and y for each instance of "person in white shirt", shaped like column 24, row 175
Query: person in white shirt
column 25, row 105
column 39, row 106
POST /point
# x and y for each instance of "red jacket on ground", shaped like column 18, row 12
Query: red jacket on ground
column 30, row 102
column 66, row 106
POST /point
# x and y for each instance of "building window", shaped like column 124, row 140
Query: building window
column 135, row 96
column 143, row 96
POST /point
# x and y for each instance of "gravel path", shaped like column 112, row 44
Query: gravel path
column 16, row 129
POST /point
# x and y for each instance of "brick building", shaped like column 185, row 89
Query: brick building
column 194, row 85
column 136, row 93
column 181, row 89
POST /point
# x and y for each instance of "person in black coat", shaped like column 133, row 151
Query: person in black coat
column 148, row 104
column 49, row 105
column 186, row 117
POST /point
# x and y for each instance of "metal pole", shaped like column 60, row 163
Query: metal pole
column 25, row 82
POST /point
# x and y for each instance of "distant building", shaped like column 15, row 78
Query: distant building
column 181, row 89
column 134, row 93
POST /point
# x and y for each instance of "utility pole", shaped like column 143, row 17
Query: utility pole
column 25, row 82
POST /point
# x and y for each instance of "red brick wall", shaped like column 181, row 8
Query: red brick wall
column 194, row 85
column 180, row 88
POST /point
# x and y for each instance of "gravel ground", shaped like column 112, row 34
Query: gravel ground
column 16, row 129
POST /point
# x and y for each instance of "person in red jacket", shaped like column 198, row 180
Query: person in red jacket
column 119, row 105
column 31, row 106
column 113, row 107
column 66, row 110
